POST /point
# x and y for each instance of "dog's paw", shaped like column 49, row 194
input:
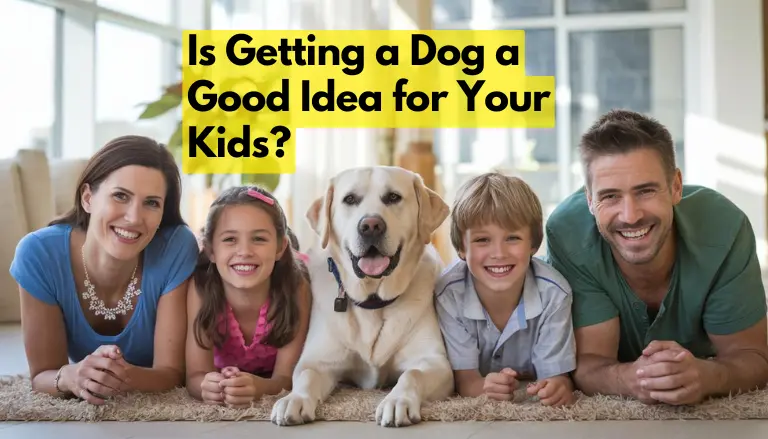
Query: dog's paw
column 398, row 411
column 293, row 409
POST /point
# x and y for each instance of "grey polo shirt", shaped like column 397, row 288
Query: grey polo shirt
column 537, row 341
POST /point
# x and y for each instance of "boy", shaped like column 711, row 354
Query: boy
column 505, row 315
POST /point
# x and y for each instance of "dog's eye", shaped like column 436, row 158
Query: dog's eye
column 391, row 198
column 350, row 199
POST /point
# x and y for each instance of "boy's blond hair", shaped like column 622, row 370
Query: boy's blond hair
column 494, row 198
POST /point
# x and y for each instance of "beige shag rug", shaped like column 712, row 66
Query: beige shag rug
column 19, row 403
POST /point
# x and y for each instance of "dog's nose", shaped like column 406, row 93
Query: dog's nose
column 371, row 226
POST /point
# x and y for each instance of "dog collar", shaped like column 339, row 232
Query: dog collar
column 340, row 303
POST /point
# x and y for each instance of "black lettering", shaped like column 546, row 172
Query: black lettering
column 394, row 55
column 358, row 62
column 478, row 61
column 244, row 143
column 513, row 58
column 265, row 55
column 260, row 147
column 471, row 93
column 376, row 96
column 208, row 57
column 198, row 141
column 537, row 98
column 496, row 95
column 327, row 95
column 249, row 52
column 210, row 97
column 436, row 96
column 415, row 40
column 327, row 100
column 305, row 93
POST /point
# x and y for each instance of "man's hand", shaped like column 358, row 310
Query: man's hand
column 673, row 375
column 631, row 380
column 555, row 391
column 240, row 388
column 501, row 386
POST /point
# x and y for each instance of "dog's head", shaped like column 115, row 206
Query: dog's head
column 377, row 219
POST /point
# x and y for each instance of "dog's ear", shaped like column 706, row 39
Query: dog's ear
column 432, row 209
column 319, row 215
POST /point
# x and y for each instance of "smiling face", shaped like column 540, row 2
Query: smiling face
column 125, row 210
column 497, row 258
column 376, row 215
column 633, row 203
column 245, row 246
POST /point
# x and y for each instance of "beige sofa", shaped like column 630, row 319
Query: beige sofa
column 35, row 189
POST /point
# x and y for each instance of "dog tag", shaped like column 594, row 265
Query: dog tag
column 340, row 304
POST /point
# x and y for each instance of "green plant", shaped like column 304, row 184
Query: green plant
column 171, row 100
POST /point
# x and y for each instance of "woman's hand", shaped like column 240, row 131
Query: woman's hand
column 99, row 376
column 240, row 388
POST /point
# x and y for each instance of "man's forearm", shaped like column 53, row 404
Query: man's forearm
column 740, row 371
column 595, row 374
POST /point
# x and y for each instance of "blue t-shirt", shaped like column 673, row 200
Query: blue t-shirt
column 43, row 267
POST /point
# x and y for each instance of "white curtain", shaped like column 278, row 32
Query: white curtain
column 323, row 152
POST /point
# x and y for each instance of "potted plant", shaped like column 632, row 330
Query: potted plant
column 171, row 100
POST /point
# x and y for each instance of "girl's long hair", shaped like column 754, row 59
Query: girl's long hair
column 286, row 279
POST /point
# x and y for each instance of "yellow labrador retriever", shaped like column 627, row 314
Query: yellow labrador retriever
column 373, row 323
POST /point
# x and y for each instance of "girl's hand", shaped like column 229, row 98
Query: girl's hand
column 240, row 388
column 555, row 391
column 211, row 389
column 99, row 376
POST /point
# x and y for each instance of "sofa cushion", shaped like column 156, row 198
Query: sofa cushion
column 36, row 187
column 66, row 173
column 15, row 227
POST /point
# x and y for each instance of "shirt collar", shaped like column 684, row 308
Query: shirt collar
column 531, row 299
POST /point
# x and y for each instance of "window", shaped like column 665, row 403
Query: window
column 28, row 75
column 124, row 83
column 638, row 69
column 602, row 6
column 506, row 9
column 160, row 11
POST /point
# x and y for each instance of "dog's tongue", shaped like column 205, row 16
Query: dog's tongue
column 373, row 266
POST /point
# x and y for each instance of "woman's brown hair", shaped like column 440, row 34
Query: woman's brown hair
column 118, row 153
column 287, row 277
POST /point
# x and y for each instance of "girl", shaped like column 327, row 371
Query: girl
column 249, row 303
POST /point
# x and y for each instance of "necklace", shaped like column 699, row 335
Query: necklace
column 97, row 305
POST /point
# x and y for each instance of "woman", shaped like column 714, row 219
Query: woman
column 105, row 285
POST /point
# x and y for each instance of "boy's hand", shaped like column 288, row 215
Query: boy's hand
column 240, row 388
column 555, row 391
column 501, row 386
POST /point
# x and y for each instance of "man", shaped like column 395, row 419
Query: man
column 669, row 305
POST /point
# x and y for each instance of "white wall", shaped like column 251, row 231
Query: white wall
column 724, row 127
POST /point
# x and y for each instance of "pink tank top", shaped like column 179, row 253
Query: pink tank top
column 257, row 358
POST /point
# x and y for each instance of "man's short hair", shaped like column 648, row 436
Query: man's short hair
column 494, row 198
column 623, row 131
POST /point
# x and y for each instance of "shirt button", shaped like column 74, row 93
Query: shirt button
column 637, row 305
column 497, row 355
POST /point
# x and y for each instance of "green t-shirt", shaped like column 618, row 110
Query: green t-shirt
column 716, row 285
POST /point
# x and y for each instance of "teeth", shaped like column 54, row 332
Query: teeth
column 499, row 270
column 244, row 267
column 125, row 233
column 635, row 234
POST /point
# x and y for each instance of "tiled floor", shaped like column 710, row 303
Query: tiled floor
column 12, row 361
